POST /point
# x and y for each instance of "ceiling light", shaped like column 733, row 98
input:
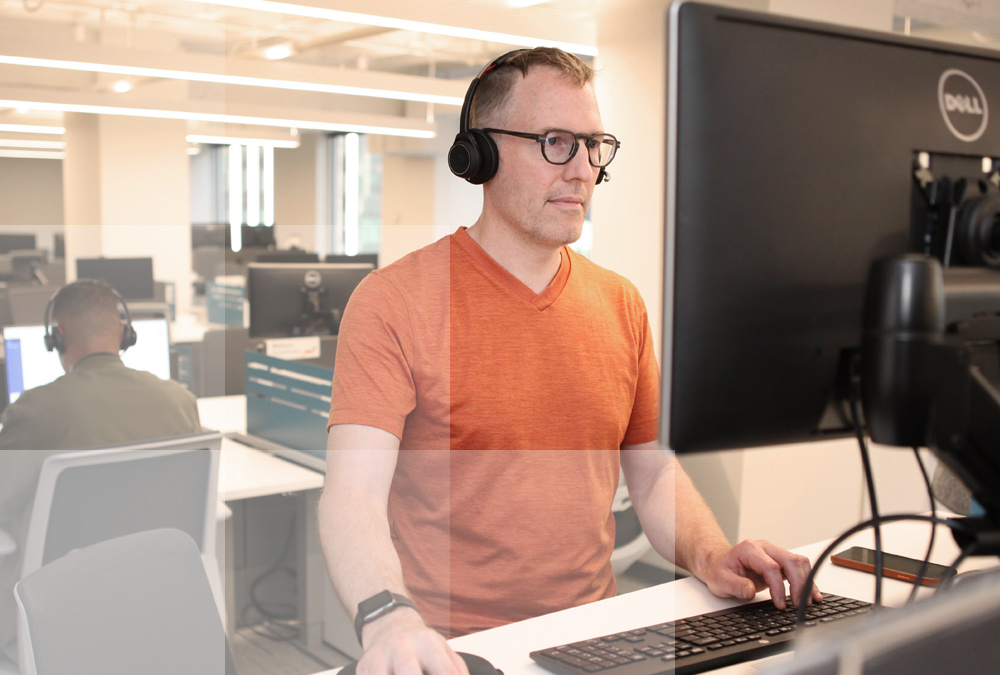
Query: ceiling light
column 220, row 78
column 31, row 154
column 122, row 86
column 401, row 24
column 224, row 118
column 37, row 145
column 233, row 140
column 32, row 129
column 279, row 51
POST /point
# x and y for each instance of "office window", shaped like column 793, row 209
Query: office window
column 233, row 184
column 356, row 208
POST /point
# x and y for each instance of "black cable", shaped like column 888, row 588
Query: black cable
column 276, row 626
column 870, row 482
column 800, row 613
column 930, row 544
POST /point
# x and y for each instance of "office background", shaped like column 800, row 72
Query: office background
column 123, row 185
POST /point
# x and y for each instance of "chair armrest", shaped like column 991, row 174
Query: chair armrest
column 7, row 544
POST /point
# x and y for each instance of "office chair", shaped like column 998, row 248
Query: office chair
column 135, row 604
column 88, row 496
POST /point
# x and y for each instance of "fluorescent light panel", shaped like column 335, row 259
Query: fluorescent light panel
column 37, row 145
column 401, row 24
column 136, row 71
column 225, row 119
column 31, row 128
column 234, row 140
column 31, row 154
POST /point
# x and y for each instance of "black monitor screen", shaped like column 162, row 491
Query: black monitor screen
column 131, row 277
column 16, row 242
column 297, row 299
column 286, row 257
column 257, row 236
column 798, row 153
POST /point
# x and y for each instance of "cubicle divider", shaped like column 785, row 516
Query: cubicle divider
column 288, row 403
column 224, row 304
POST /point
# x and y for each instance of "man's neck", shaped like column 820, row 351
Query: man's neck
column 533, row 265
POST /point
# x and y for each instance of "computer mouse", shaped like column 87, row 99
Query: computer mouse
column 477, row 665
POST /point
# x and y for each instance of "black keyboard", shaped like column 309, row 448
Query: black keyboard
column 697, row 643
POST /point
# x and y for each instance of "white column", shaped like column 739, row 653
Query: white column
column 126, row 188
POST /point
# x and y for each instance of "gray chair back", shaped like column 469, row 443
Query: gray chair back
column 135, row 604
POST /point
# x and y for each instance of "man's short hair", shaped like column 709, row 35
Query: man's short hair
column 491, row 103
column 90, row 306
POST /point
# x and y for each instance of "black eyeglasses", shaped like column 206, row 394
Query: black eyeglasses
column 558, row 146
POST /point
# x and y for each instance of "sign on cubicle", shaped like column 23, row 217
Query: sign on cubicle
column 288, row 404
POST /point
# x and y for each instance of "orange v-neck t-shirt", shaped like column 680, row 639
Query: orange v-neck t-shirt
column 511, row 408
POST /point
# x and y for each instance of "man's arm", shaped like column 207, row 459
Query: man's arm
column 361, row 560
column 682, row 529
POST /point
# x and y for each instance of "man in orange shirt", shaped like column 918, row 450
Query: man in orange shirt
column 487, row 391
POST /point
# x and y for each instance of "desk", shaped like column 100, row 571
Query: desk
column 507, row 647
column 246, row 473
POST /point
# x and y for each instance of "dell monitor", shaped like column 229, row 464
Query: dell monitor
column 298, row 299
column 30, row 365
column 798, row 154
column 131, row 277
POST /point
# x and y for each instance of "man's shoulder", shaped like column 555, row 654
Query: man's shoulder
column 592, row 273
column 414, row 275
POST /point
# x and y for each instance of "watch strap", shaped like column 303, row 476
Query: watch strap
column 377, row 606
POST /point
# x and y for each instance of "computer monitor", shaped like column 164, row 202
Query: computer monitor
column 797, row 154
column 16, row 242
column 355, row 258
column 131, row 277
column 286, row 256
column 295, row 299
column 29, row 365
column 258, row 236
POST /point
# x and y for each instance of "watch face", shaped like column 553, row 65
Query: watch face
column 375, row 603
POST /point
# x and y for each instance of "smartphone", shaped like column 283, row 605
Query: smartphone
column 893, row 566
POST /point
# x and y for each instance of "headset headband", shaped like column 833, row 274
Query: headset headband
column 53, row 336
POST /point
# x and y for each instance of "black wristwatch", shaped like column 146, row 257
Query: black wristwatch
column 376, row 606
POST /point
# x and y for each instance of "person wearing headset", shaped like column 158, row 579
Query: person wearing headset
column 98, row 402
column 487, row 389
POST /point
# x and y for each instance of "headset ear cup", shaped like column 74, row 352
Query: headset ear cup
column 489, row 156
column 463, row 157
column 129, row 336
column 54, row 340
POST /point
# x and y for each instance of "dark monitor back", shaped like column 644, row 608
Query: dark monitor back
column 258, row 236
column 371, row 258
column 274, row 293
column 791, row 151
column 59, row 246
column 131, row 277
column 16, row 242
column 286, row 257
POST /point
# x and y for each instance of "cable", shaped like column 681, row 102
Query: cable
column 930, row 544
column 277, row 627
column 800, row 614
column 870, row 482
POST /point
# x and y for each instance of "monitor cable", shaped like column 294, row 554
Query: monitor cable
column 869, row 481
column 930, row 543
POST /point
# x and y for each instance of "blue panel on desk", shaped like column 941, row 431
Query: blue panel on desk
column 288, row 402
column 224, row 304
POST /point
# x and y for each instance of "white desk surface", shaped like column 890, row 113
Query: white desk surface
column 507, row 647
column 247, row 472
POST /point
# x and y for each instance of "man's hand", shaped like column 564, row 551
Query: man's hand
column 751, row 566
column 400, row 643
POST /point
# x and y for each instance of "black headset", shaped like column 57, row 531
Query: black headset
column 54, row 338
column 474, row 155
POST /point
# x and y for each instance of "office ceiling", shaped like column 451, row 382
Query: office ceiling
column 331, row 44
column 191, row 52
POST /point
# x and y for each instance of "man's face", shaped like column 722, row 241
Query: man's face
column 542, row 203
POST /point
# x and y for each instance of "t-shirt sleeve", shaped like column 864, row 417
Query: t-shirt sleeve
column 373, row 378
column 643, row 424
